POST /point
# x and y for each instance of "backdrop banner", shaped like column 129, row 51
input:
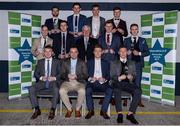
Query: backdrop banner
column 158, row 79
column 22, row 30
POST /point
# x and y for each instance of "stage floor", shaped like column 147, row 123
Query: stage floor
column 18, row 112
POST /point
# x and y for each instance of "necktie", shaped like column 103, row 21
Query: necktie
column 64, row 42
column 76, row 21
column 134, row 39
column 86, row 43
column 47, row 82
column 108, row 39
column 44, row 42
column 54, row 21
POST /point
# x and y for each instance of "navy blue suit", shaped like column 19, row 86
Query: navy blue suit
column 115, row 44
column 97, row 87
column 144, row 52
column 81, row 23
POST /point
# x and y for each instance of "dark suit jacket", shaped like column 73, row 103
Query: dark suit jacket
column 81, row 70
column 142, row 46
column 81, row 23
column 115, row 44
column 102, row 23
column 115, row 69
column 57, row 43
column 40, row 69
column 90, row 48
column 122, row 25
column 104, row 67
column 50, row 25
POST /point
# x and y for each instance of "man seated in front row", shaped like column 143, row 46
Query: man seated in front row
column 123, row 73
column 47, row 73
column 74, row 74
column 98, row 81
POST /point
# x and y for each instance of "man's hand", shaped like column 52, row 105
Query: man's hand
column 61, row 56
column 129, row 52
column 130, row 77
column 66, row 55
column 51, row 79
column 121, row 31
column 43, row 78
column 136, row 53
column 122, row 77
column 105, row 51
column 92, row 79
column 114, row 30
column 112, row 51
column 101, row 79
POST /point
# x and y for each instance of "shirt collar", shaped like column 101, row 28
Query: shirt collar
column 123, row 60
column 76, row 15
column 132, row 38
column 50, row 59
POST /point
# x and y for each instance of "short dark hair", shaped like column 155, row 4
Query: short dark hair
column 48, row 47
column 63, row 21
column 42, row 26
column 97, row 46
column 95, row 5
column 134, row 24
column 76, row 3
column 116, row 8
column 108, row 22
column 122, row 46
column 54, row 8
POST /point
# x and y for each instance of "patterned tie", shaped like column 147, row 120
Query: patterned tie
column 47, row 82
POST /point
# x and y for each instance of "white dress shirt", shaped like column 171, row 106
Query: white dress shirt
column 97, row 68
column 116, row 21
column 73, row 66
column 75, row 29
column 41, row 46
column 95, row 26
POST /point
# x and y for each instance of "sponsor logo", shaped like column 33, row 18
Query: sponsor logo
column 168, row 81
column 158, row 20
column 26, row 66
column 156, row 68
column 15, row 31
column 145, row 78
column 26, row 20
column 25, row 87
column 15, row 78
column 155, row 91
column 36, row 32
column 146, row 32
column 169, row 31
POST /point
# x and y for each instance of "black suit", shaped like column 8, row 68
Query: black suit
column 57, row 43
column 90, row 47
column 122, row 25
column 50, row 25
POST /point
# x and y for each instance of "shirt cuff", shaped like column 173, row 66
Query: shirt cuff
column 140, row 53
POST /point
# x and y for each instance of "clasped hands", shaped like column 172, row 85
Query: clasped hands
column 123, row 77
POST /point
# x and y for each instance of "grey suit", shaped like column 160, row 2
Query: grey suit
column 119, row 86
column 77, row 85
column 39, row 72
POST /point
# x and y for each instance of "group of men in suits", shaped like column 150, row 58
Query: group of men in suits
column 85, row 55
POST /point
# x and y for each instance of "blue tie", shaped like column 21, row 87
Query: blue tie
column 47, row 82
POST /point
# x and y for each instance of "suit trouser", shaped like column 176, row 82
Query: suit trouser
column 33, row 90
column 97, row 87
column 138, row 74
column 130, row 88
column 68, row 86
